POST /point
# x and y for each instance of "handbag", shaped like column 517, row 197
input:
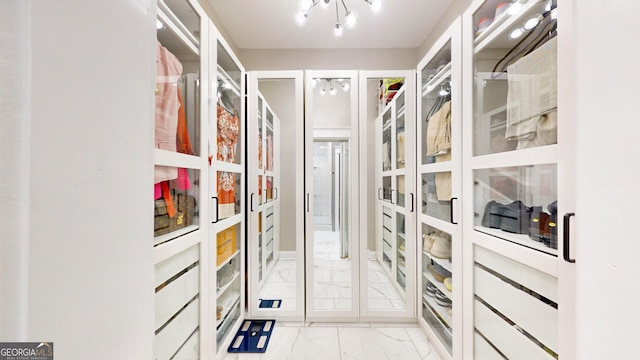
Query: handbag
column 515, row 218
column 492, row 215
column 539, row 225
column 553, row 230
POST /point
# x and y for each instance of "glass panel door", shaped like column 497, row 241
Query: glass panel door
column 388, row 195
column 439, row 176
column 513, row 177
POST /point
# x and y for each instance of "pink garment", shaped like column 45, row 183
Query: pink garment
column 168, row 71
column 183, row 182
column 157, row 191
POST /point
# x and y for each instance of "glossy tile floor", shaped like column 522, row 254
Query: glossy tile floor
column 345, row 342
column 332, row 275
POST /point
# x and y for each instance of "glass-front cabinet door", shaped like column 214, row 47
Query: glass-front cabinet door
column 439, row 189
column 180, row 189
column 511, row 221
column 227, row 179
column 389, row 287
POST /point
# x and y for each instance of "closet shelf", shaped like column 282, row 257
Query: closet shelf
column 427, row 274
column 227, row 286
column 520, row 239
column 232, row 85
column 227, row 260
column 158, row 240
column 442, row 262
column 228, row 303
column 442, row 311
column 496, row 35
column 173, row 24
column 437, row 79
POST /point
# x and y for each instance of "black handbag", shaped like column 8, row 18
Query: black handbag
column 492, row 215
column 539, row 225
column 515, row 218
column 553, row 230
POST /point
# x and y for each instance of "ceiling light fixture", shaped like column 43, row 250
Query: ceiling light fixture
column 532, row 22
column 516, row 33
column 349, row 21
column 515, row 6
column 329, row 83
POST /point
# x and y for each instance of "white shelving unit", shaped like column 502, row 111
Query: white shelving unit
column 180, row 249
column 227, row 179
column 395, row 197
column 512, row 259
column 439, row 188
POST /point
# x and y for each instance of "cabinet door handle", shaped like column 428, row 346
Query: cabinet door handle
column 379, row 196
column 217, row 209
column 275, row 195
column 391, row 196
column 451, row 210
column 251, row 201
column 411, row 202
column 307, row 202
column 566, row 238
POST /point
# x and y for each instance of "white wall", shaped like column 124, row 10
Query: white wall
column 76, row 190
column 454, row 10
column 14, row 162
column 329, row 59
column 607, row 127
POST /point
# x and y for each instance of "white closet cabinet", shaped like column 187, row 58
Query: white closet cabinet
column 511, row 219
column 264, row 180
column 180, row 192
column 227, row 177
column 395, row 194
column 439, row 193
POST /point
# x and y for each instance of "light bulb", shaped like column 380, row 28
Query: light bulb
column 301, row 18
column 306, row 5
column 515, row 7
column 350, row 19
column 346, row 86
column 516, row 33
column 554, row 14
column 323, row 91
column 159, row 24
column 375, row 5
column 548, row 6
column 332, row 91
column 315, row 82
column 444, row 91
column 532, row 22
column 337, row 30
column 325, row 3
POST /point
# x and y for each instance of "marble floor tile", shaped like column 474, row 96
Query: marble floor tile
column 422, row 343
column 377, row 344
column 339, row 341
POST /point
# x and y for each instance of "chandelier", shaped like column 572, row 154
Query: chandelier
column 331, row 85
column 350, row 18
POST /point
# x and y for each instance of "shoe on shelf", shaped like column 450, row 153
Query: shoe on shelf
column 442, row 299
column 441, row 247
column 439, row 272
column 431, row 289
column 448, row 284
column 427, row 242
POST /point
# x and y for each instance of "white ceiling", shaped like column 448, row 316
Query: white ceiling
column 269, row 24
